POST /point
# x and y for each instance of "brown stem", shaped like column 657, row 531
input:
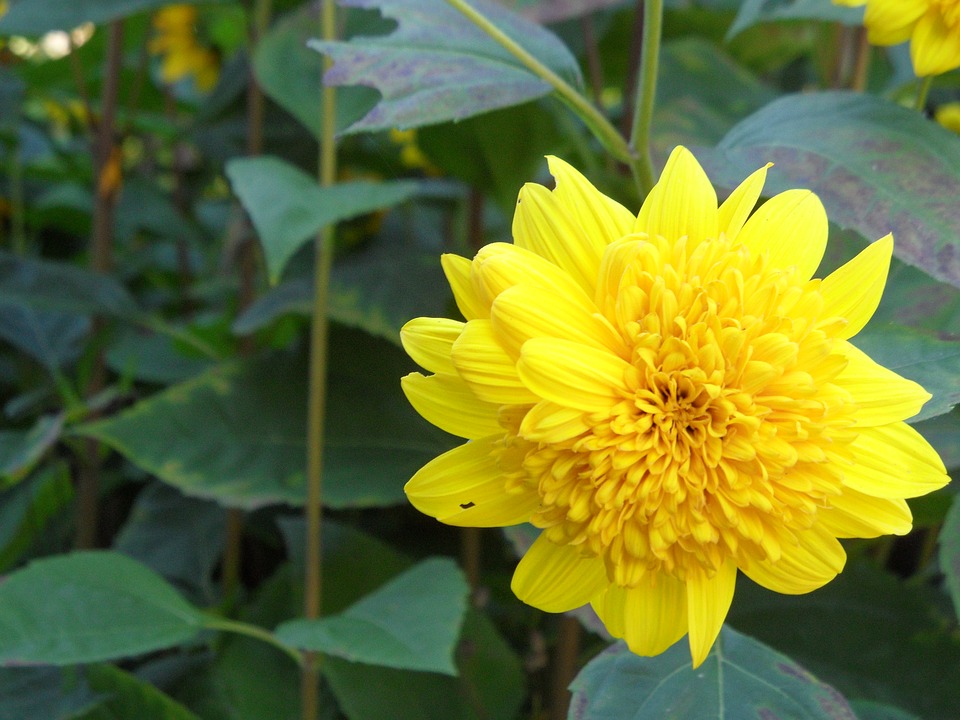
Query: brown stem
column 564, row 666
column 105, row 163
column 230, row 577
column 861, row 64
column 470, row 556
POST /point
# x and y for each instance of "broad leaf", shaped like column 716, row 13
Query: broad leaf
column 35, row 17
column 758, row 11
column 21, row 450
column 881, row 168
column 288, row 207
column 127, row 696
column 438, row 66
column 27, row 509
column 50, row 337
column 741, row 678
column 876, row 711
column 154, row 357
column 88, row 607
column 411, row 623
column 950, row 552
column 47, row 693
column 932, row 362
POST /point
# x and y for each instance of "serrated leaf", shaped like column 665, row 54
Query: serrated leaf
column 411, row 623
column 741, row 678
column 89, row 607
column 881, row 168
column 438, row 66
column 288, row 207
column 35, row 17
column 950, row 552
column 127, row 696
column 919, row 356
column 753, row 12
column 49, row 693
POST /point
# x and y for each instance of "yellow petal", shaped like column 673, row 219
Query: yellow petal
column 429, row 342
column 499, row 266
column 791, row 228
column 465, row 487
column 572, row 374
column 486, row 367
column 650, row 617
column 882, row 396
column 557, row 578
column 598, row 215
column 935, row 45
column 457, row 270
column 853, row 291
column 708, row 600
column 682, row 203
column 890, row 22
column 542, row 224
column 894, row 461
column 447, row 402
column 736, row 209
column 548, row 422
column 854, row 514
column 801, row 568
column 524, row 311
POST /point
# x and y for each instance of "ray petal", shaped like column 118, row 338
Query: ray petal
column 486, row 367
column 853, row 290
column 557, row 578
column 803, row 567
column 429, row 342
column 737, row 207
column 682, row 203
column 708, row 600
column 882, row 396
column 854, row 514
column 448, row 402
column 894, row 461
column 791, row 228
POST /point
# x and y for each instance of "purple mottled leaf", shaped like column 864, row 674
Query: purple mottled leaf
column 437, row 66
column 877, row 167
column 741, row 678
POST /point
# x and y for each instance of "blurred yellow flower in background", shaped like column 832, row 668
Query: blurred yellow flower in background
column 672, row 397
column 931, row 26
column 182, row 54
column 948, row 115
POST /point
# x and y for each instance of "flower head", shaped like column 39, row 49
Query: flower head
column 670, row 397
column 931, row 26
column 183, row 56
column 948, row 115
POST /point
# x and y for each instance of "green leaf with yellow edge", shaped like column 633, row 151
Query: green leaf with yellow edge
column 288, row 207
column 741, row 678
column 89, row 607
column 411, row 623
column 880, row 168
column 753, row 12
column 919, row 356
column 35, row 17
column 950, row 552
column 127, row 696
column 437, row 65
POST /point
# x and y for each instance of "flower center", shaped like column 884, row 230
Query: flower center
column 730, row 406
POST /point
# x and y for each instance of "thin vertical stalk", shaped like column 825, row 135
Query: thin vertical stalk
column 564, row 666
column 633, row 70
column 319, row 331
column 923, row 92
column 101, row 261
column 646, row 95
column 592, row 53
column 861, row 62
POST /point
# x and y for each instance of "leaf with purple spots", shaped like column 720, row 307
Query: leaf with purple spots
column 741, row 678
column 437, row 66
column 877, row 167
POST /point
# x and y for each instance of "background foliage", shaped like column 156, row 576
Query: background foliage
column 155, row 297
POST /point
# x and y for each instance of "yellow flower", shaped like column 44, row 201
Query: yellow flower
column 182, row 55
column 948, row 115
column 931, row 26
column 669, row 396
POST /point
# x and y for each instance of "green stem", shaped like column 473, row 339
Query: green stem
column 316, row 402
column 605, row 132
column 922, row 93
column 646, row 96
column 213, row 622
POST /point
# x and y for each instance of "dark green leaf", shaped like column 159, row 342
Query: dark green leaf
column 45, row 285
column 154, row 358
column 411, row 623
column 875, row 711
column 27, row 509
column 44, row 693
column 144, row 207
column 179, row 537
column 881, row 168
column 741, row 678
column 950, row 552
column 52, row 338
column 932, row 362
column 88, row 607
column 758, row 11
column 129, row 697
column 288, row 207
column 438, row 66
column 20, row 451
column 290, row 296
column 35, row 17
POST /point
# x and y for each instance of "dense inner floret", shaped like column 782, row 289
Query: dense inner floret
column 718, row 447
